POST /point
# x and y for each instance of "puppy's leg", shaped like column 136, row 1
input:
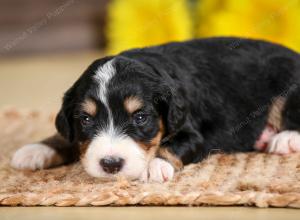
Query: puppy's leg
column 162, row 167
column 288, row 140
column 285, row 142
column 184, row 148
column 158, row 170
column 262, row 143
column 50, row 152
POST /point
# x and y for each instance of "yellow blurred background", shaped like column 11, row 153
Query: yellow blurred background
column 136, row 23
column 46, row 45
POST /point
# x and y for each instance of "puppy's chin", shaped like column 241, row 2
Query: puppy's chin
column 104, row 145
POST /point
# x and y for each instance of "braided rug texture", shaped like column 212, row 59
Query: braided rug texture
column 252, row 179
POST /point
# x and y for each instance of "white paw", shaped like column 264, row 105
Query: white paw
column 159, row 170
column 285, row 142
column 34, row 157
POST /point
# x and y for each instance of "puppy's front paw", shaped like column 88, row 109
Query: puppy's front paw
column 285, row 142
column 35, row 156
column 159, row 170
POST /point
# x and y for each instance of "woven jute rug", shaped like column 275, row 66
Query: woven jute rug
column 253, row 179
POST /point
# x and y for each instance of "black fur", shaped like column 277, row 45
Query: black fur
column 212, row 96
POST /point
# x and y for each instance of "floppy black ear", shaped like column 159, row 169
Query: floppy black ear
column 168, row 94
column 175, row 110
column 171, row 104
column 64, row 119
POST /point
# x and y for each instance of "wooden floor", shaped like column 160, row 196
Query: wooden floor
column 39, row 82
column 148, row 213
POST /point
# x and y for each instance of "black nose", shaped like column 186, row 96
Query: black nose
column 112, row 164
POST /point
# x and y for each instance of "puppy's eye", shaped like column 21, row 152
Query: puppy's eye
column 140, row 118
column 85, row 120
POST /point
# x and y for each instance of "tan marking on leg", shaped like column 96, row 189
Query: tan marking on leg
column 155, row 142
column 56, row 141
column 132, row 104
column 171, row 157
column 67, row 151
column 83, row 146
column 158, row 169
column 90, row 107
column 152, row 147
column 275, row 113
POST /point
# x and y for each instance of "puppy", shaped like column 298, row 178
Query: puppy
column 146, row 113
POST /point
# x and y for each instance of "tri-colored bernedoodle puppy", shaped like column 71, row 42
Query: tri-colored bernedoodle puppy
column 146, row 113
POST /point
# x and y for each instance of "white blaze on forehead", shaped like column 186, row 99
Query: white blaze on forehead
column 103, row 76
column 109, row 141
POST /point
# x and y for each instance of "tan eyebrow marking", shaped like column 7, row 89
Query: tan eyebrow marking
column 132, row 104
column 90, row 107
